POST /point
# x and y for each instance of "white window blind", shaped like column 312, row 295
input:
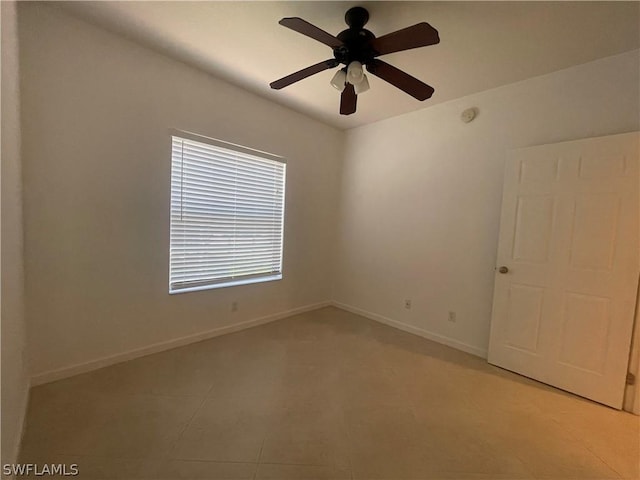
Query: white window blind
column 227, row 212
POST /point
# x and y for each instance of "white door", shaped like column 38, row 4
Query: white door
column 563, row 312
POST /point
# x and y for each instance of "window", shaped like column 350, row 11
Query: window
column 227, row 211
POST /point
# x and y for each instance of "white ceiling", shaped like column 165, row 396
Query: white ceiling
column 483, row 44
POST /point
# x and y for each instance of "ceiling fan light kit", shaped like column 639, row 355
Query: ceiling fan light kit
column 362, row 86
column 339, row 79
column 356, row 48
column 355, row 73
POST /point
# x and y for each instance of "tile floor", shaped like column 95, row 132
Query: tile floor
column 323, row 395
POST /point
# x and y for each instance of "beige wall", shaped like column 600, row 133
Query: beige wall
column 96, row 176
column 421, row 193
column 15, row 379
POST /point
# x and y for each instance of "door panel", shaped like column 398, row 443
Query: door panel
column 523, row 317
column 563, row 313
column 534, row 219
column 594, row 231
column 585, row 332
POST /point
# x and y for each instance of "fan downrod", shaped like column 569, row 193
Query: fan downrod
column 356, row 17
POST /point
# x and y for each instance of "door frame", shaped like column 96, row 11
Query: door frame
column 631, row 401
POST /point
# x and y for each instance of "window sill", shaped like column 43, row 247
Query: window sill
column 232, row 283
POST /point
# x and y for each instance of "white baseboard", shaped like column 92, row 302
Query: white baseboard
column 436, row 337
column 65, row 372
column 59, row 374
column 22, row 424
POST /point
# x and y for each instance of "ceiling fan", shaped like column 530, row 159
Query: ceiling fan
column 355, row 47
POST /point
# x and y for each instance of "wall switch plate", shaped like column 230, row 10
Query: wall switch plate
column 234, row 306
column 452, row 316
column 407, row 304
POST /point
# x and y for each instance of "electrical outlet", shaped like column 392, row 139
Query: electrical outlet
column 234, row 306
column 452, row 317
column 407, row 304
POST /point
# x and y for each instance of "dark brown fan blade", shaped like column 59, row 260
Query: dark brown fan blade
column 420, row 35
column 348, row 100
column 400, row 79
column 302, row 74
column 305, row 28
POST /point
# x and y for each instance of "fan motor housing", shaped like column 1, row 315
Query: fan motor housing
column 357, row 46
column 356, row 39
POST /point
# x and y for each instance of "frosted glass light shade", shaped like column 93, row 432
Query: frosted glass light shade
column 355, row 74
column 363, row 86
column 339, row 80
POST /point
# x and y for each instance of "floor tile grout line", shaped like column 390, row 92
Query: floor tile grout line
column 187, row 425
column 343, row 417
column 143, row 395
column 543, row 477
column 213, row 384
column 255, row 472
column 413, row 407
column 579, row 440
column 291, row 464
column 98, row 393
column 154, row 457
column 219, row 462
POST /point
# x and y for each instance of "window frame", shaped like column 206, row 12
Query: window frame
column 235, row 148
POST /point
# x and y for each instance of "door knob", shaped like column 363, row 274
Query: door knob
column 503, row 269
